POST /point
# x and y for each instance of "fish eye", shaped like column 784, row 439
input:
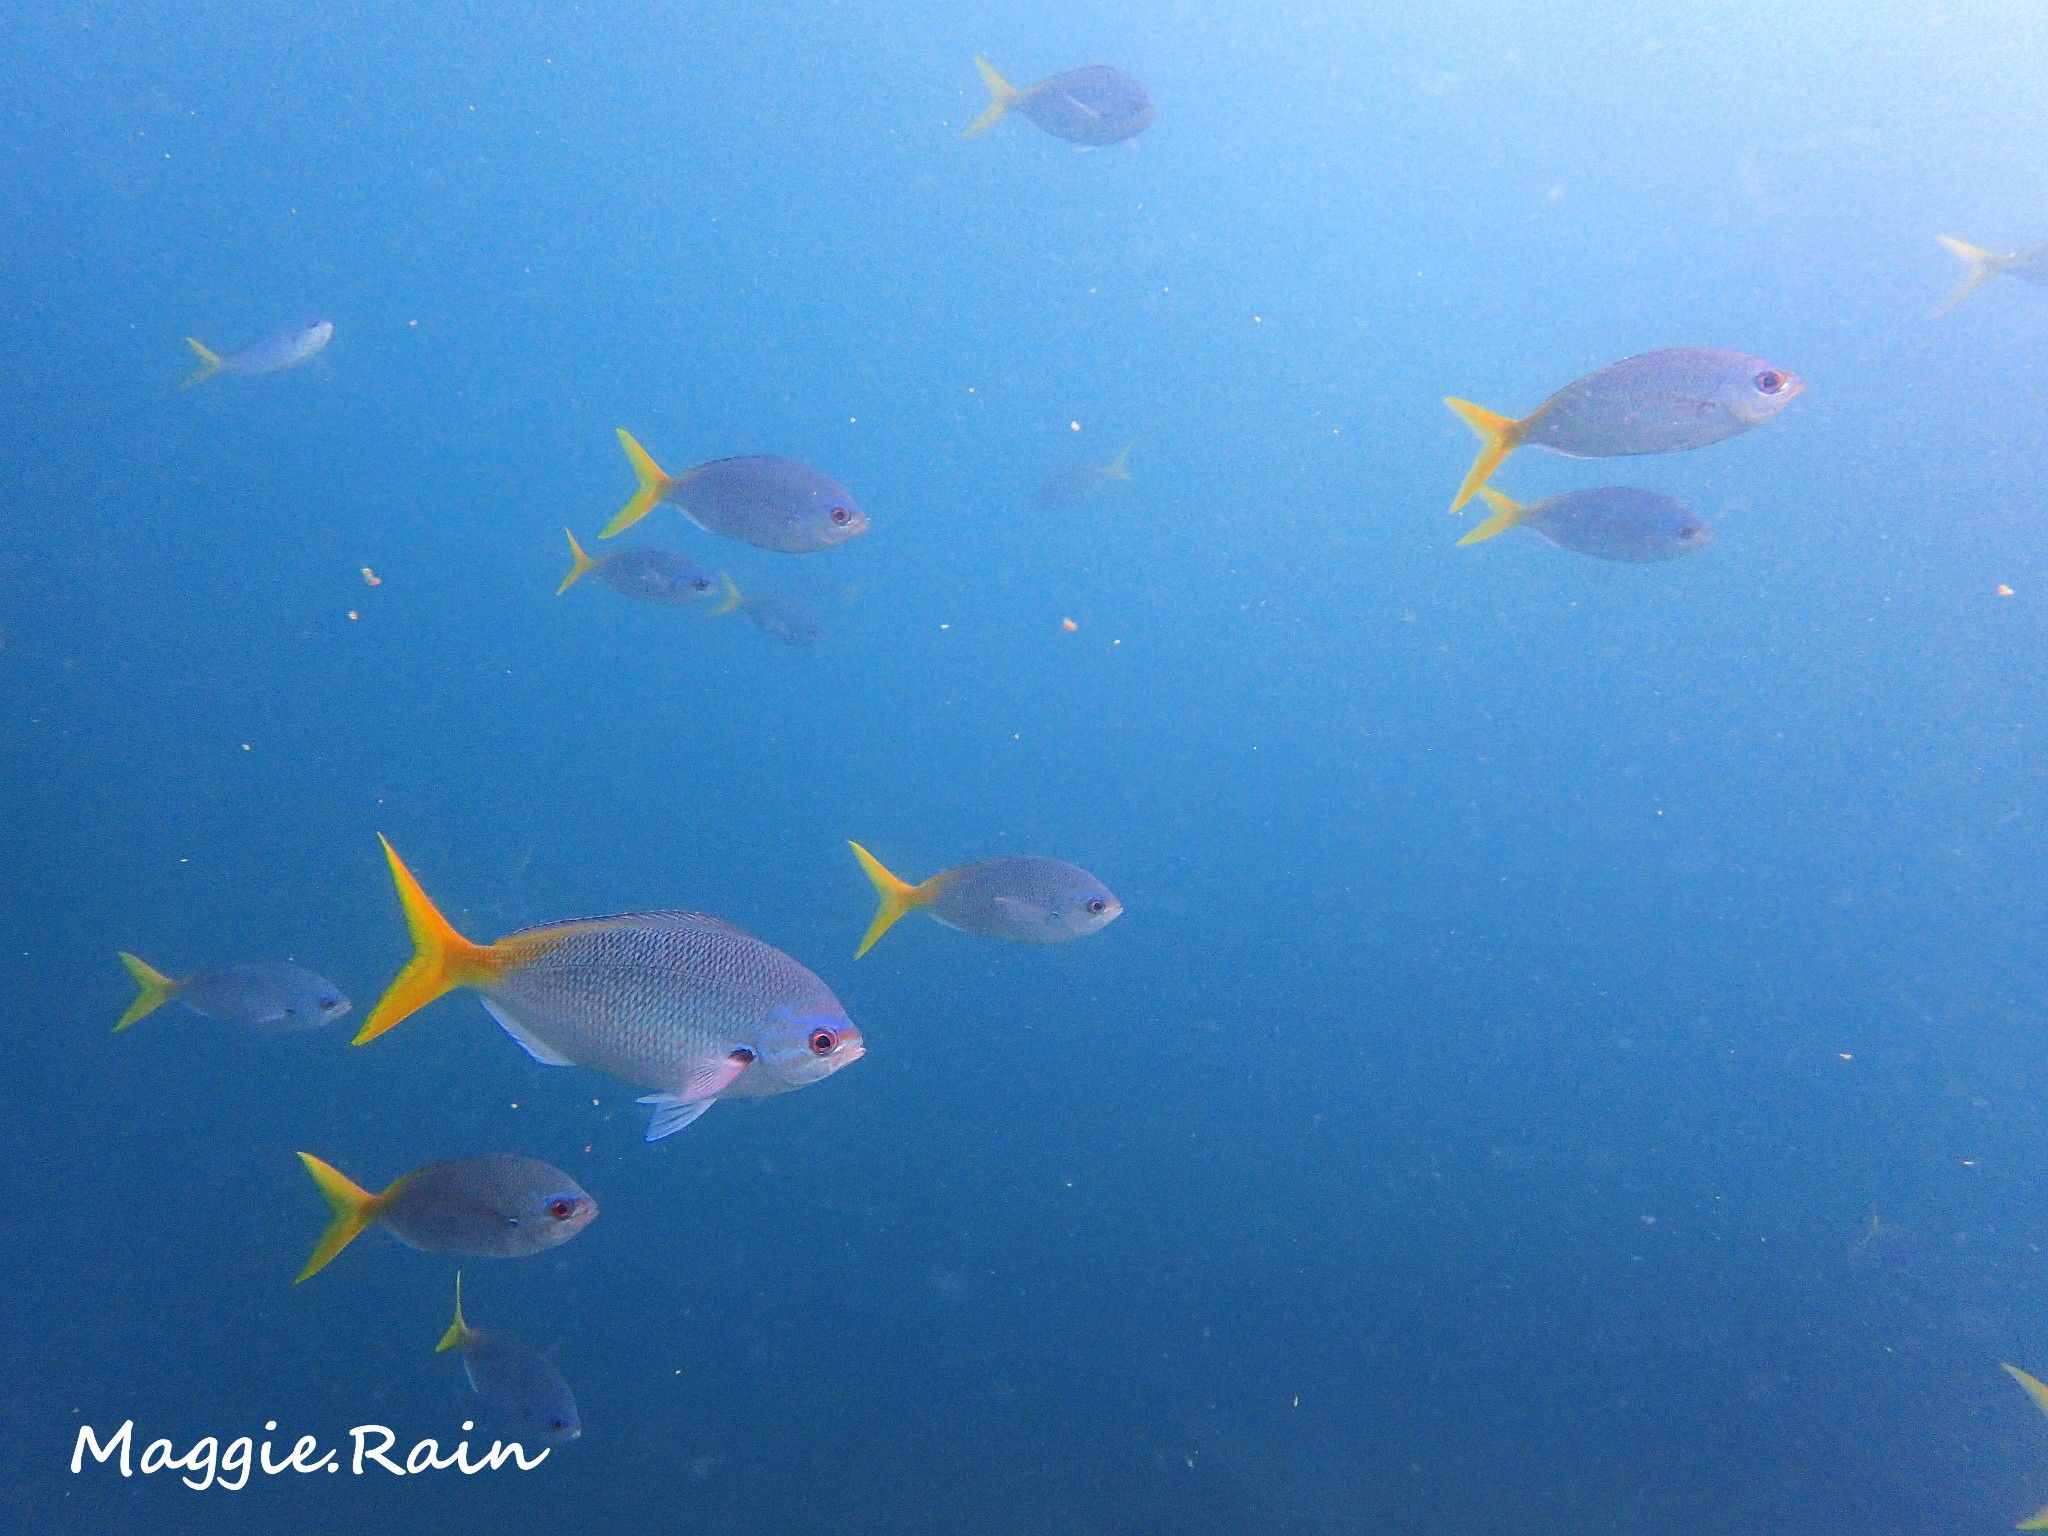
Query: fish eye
column 822, row 1041
column 562, row 1210
column 1769, row 382
column 841, row 516
column 329, row 1004
column 1097, row 904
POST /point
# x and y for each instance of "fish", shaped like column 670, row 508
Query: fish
column 1077, row 482
column 1028, row 900
column 269, row 994
column 781, row 618
column 490, row 1207
column 2039, row 1393
column 679, row 1002
column 2029, row 266
column 771, row 502
column 1094, row 106
column 519, row 1384
column 651, row 575
column 1660, row 402
column 286, row 347
column 1614, row 522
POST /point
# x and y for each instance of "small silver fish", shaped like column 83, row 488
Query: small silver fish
column 269, row 994
column 1073, row 485
column 1612, row 522
column 760, row 499
column 1027, row 900
column 1660, row 402
column 518, row 1384
column 778, row 617
column 678, row 1002
column 1092, row 106
column 2029, row 266
column 284, row 348
column 493, row 1207
column 657, row 576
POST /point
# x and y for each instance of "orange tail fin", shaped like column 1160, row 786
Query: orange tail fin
column 442, row 959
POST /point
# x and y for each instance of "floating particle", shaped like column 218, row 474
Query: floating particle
column 371, row 578
column 1069, row 625
column 2004, row 590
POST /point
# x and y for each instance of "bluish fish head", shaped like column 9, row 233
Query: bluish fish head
column 555, row 1213
column 1753, row 391
column 838, row 520
column 302, row 341
column 1690, row 534
column 808, row 1041
column 1084, row 911
column 317, row 1005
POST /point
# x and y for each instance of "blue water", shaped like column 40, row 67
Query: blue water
column 1535, row 972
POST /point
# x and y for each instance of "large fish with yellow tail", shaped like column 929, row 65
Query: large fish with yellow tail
column 1660, row 402
column 682, row 1004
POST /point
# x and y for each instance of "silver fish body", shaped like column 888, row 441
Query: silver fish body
column 658, row 576
column 1660, row 402
column 768, row 501
column 493, row 1206
column 1027, row 900
column 1619, row 522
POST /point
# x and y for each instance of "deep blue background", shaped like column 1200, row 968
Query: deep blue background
column 1534, row 973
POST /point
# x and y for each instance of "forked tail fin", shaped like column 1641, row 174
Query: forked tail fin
column 209, row 364
column 1506, row 514
column 152, row 989
column 1001, row 97
column 1497, row 437
column 354, row 1209
column 583, row 565
column 442, row 959
column 894, row 897
column 654, row 485
column 1982, row 266
column 458, row 1331
column 732, row 602
column 1119, row 468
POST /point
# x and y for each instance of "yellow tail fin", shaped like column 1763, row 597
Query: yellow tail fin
column 1497, row 437
column 1506, row 514
column 654, row 485
column 896, row 897
column 582, row 567
column 732, row 601
column 442, row 959
column 458, row 1331
column 354, row 1209
column 1983, row 266
column 1119, row 468
column 152, row 989
column 1001, row 97
column 2039, row 1394
column 209, row 365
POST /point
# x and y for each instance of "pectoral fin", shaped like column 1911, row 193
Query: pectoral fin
column 1024, row 911
column 535, row 1047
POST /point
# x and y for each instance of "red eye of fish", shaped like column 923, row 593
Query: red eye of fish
column 841, row 516
column 562, row 1210
column 1096, row 904
column 822, row 1041
column 1769, row 382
